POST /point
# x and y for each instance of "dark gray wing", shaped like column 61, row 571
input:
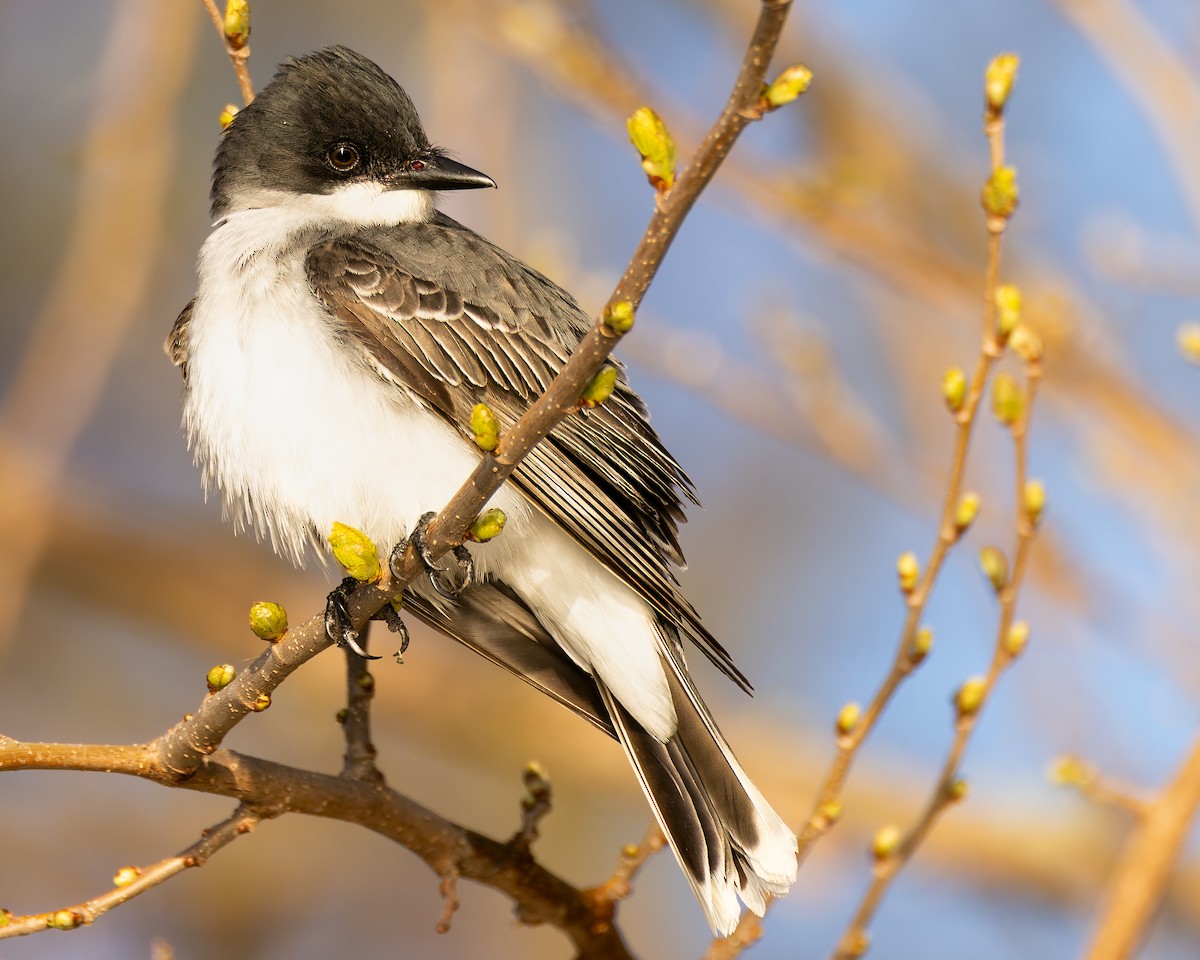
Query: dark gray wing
column 457, row 321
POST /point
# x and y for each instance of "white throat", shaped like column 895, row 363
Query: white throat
column 363, row 204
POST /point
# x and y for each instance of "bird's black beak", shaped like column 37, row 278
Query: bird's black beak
column 439, row 173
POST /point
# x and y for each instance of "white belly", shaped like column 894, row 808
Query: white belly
column 297, row 432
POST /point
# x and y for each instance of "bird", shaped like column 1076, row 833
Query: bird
column 341, row 333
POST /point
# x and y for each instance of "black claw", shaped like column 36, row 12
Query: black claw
column 435, row 571
column 338, row 624
column 389, row 615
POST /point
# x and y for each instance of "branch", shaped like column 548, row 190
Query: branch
column 130, row 882
column 234, row 31
column 1141, row 877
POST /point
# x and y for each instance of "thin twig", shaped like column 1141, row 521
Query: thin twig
column 238, row 56
column 133, row 881
column 359, row 759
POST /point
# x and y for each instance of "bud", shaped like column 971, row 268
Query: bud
column 922, row 643
column 831, row 811
column 619, row 316
column 63, row 920
column 220, row 677
column 1188, row 339
column 1017, row 639
column 485, row 426
column 966, row 511
column 1070, row 771
column 600, row 388
column 355, row 551
column 1000, row 194
column 630, row 851
column 970, row 696
column 995, row 566
column 226, row 115
column 537, row 782
column 365, row 682
column 908, row 569
column 855, row 943
column 1026, row 343
column 1008, row 399
column 787, row 86
column 956, row 790
column 341, row 715
column 268, row 621
column 649, row 135
column 261, row 702
column 487, row 526
column 886, row 841
column 847, row 718
column 237, row 23
column 954, row 388
column 998, row 80
column 1008, row 309
column 1035, row 501
column 125, row 876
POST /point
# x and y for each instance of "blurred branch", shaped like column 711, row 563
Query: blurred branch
column 1157, row 76
column 76, row 336
column 1140, row 882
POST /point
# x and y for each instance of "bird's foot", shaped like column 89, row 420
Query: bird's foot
column 339, row 626
column 439, row 577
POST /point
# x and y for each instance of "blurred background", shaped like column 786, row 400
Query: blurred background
column 791, row 352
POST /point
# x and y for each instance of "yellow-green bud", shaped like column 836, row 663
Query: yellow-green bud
column 620, row 316
column 966, row 511
column 908, row 569
column 922, row 643
column 1000, row 193
column 1070, row 771
column 355, row 551
column 998, row 80
column 630, row 851
column 855, row 944
column 1035, row 501
column 341, row 715
column 220, row 677
column 887, row 839
column 64, row 920
column 537, row 782
column 831, row 811
column 261, row 702
column 1008, row 309
column 970, row 696
column 1017, row 639
column 600, row 387
column 847, row 718
column 956, row 790
column 1026, row 343
column 237, row 23
column 488, row 525
column 649, row 135
column 1008, row 399
column 365, row 681
column 5, row 917
column 125, row 876
column 485, row 426
column 1188, row 339
column 954, row 388
column 995, row 566
column 227, row 114
column 268, row 621
column 786, row 87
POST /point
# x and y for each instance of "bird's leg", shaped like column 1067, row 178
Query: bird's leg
column 339, row 626
column 436, row 572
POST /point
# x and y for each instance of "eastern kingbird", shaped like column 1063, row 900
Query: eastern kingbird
column 341, row 332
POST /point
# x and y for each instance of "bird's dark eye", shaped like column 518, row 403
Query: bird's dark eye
column 343, row 157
